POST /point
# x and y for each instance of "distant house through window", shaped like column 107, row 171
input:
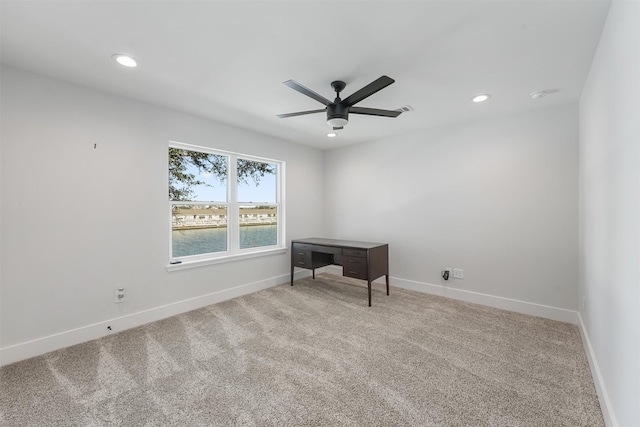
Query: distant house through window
column 223, row 203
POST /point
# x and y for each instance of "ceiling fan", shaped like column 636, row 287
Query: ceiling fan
column 338, row 110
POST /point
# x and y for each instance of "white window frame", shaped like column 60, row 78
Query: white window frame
column 233, row 251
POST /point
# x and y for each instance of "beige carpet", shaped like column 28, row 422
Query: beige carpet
column 315, row 355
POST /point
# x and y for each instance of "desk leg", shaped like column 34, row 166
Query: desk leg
column 387, row 284
column 369, row 282
column 291, row 265
column 313, row 274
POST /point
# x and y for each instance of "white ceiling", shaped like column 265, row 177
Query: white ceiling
column 226, row 60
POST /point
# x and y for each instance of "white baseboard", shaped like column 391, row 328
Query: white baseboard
column 548, row 312
column 64, row 339
column 605, row 403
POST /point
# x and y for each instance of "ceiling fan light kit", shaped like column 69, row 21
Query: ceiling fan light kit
column 338, row 110
column 337, row 122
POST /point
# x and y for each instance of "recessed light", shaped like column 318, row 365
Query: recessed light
column 332, row 134
column 481, row 97
column 125, row 60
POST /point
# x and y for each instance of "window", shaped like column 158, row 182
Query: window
column 223, row 204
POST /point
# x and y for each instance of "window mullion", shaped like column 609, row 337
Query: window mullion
column 234, row 212
column 280, row 203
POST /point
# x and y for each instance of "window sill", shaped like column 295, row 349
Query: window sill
column 184, row 265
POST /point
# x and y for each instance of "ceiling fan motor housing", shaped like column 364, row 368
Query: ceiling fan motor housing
column 337, row 111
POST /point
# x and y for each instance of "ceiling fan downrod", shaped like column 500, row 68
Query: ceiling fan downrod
column 338, row 112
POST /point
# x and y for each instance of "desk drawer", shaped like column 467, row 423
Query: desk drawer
column 318, row 248
column 302, row 257
column 355, row 252
column 355, row 267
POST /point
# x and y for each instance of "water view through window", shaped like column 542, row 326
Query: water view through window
column 258, row 226
column 210, row 240
column 200, row 229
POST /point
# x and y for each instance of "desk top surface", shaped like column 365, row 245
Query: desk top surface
column 338, row 243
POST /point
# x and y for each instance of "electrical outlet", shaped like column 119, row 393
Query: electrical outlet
column 458, row 273
column 119, row 295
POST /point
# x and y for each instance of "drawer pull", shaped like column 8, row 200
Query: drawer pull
column 300, row 262
column 301, row 253
column 353, row 272
column 354, row 261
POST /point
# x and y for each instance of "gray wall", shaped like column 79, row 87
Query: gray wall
column 610, row 212
column 497, row 198
column 77, row 222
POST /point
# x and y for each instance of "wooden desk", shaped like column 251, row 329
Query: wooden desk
column 360, row 260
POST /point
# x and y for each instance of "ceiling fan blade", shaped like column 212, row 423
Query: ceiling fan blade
column 368, row 90
column 306, row 91
column 375, row 112
column 301, row 113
